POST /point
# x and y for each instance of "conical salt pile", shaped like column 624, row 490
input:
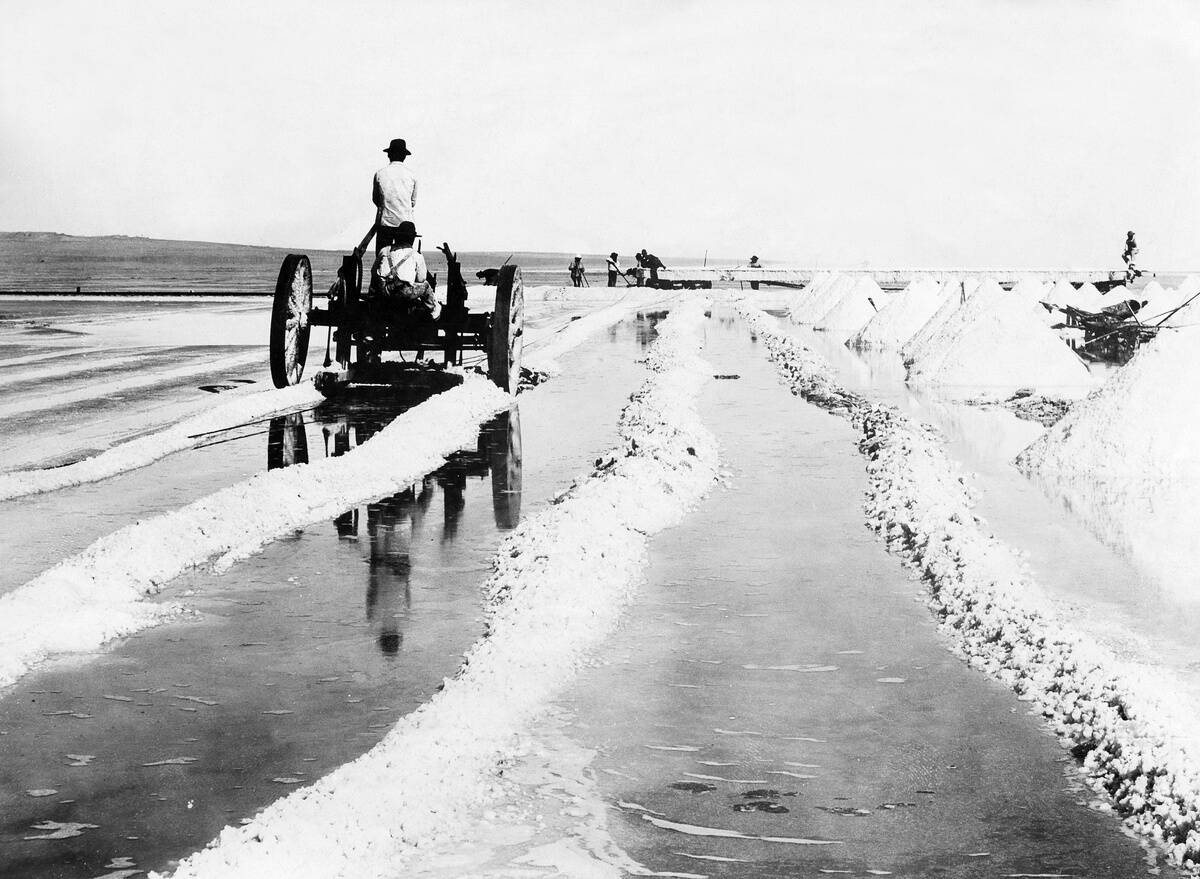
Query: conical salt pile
column 798, row 297
column 1141, row 424
column 929, row 345
column 1001, row 349
column 855, row 307
column 954, row 294
column 902, row 317
column 813, row 308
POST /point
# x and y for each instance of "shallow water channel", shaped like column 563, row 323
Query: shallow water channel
column 779, row 702
column 299, row 658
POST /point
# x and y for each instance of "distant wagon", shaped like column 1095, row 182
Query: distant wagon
column 363, row 328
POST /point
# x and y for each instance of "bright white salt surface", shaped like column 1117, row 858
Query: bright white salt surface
column 853, row 308
column 954, row 295
column 1002, row 348
column 901, row 317
column 814, row 301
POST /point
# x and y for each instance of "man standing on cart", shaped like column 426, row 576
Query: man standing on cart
column 394, row 193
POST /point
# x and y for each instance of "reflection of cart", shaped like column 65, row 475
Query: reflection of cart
column 363, row 328
column 497, row 454
column 1112, row 334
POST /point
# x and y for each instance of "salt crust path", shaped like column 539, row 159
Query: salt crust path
column 97, row 595
column 560, row 583
column 201, row 366
column 1132, row 748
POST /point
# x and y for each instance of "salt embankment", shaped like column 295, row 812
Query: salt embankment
column 852, row 310
column 561, row 582
column 146, row 450
column 901, row 317
column 1140, row 424
column 1135, row 748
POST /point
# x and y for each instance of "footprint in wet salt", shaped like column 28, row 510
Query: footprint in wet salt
column 81, row 759
column 42, row 792
column 892, row 680
column 173, row 761
column 61, row 830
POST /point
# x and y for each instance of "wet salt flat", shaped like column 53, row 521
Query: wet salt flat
column 293, row 662
column 777, row 701
column 780, row 704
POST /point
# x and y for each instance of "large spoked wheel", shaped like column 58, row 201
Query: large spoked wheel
column 508, row 326
column 289, row 320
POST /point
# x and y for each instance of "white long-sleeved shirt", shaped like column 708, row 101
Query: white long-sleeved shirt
column 405, row 263
column 395, row 190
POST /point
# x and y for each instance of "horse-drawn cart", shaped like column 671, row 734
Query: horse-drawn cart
column 362, row 329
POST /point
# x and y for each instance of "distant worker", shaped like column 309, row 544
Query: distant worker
column 394, row 193
column 1130, row 258
column 400, row 280
column 653, row 263
column 614, row 269
column 754, row 265
column 577, row 271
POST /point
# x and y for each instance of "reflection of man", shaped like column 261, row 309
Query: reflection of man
column 388, row 594
column 395, row 193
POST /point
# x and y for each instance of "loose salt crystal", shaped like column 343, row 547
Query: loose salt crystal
column 891, row 680
column 288, row 779
column 279, row 711
column 80, row 759
column 116, row 698
column 42, row 792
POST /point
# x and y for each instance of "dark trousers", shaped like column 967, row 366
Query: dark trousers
column 385, row 236
column 612, row 279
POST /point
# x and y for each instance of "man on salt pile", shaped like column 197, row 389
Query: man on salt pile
column 394, row 193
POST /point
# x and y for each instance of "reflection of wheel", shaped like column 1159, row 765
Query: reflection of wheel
column 287, row 443
column 289, row 320
column 504, row 460
column 508, row 323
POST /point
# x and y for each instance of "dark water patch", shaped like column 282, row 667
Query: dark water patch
column 694, row 787
column 216, row 389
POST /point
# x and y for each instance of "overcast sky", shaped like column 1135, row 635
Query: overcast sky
column 966, row 132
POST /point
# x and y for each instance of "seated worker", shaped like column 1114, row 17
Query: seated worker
column 400, row 281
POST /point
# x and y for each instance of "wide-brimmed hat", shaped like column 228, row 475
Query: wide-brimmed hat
column 398, row 146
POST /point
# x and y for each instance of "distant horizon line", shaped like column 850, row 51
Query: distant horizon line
column 780, row 263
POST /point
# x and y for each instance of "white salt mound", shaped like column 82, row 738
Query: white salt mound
column 926, row 353
column 954, row 294
column 800, row 299
column 856, row 306
column 1140, row 425
column 902, row 316
column 815, row 306
column 997, row 343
